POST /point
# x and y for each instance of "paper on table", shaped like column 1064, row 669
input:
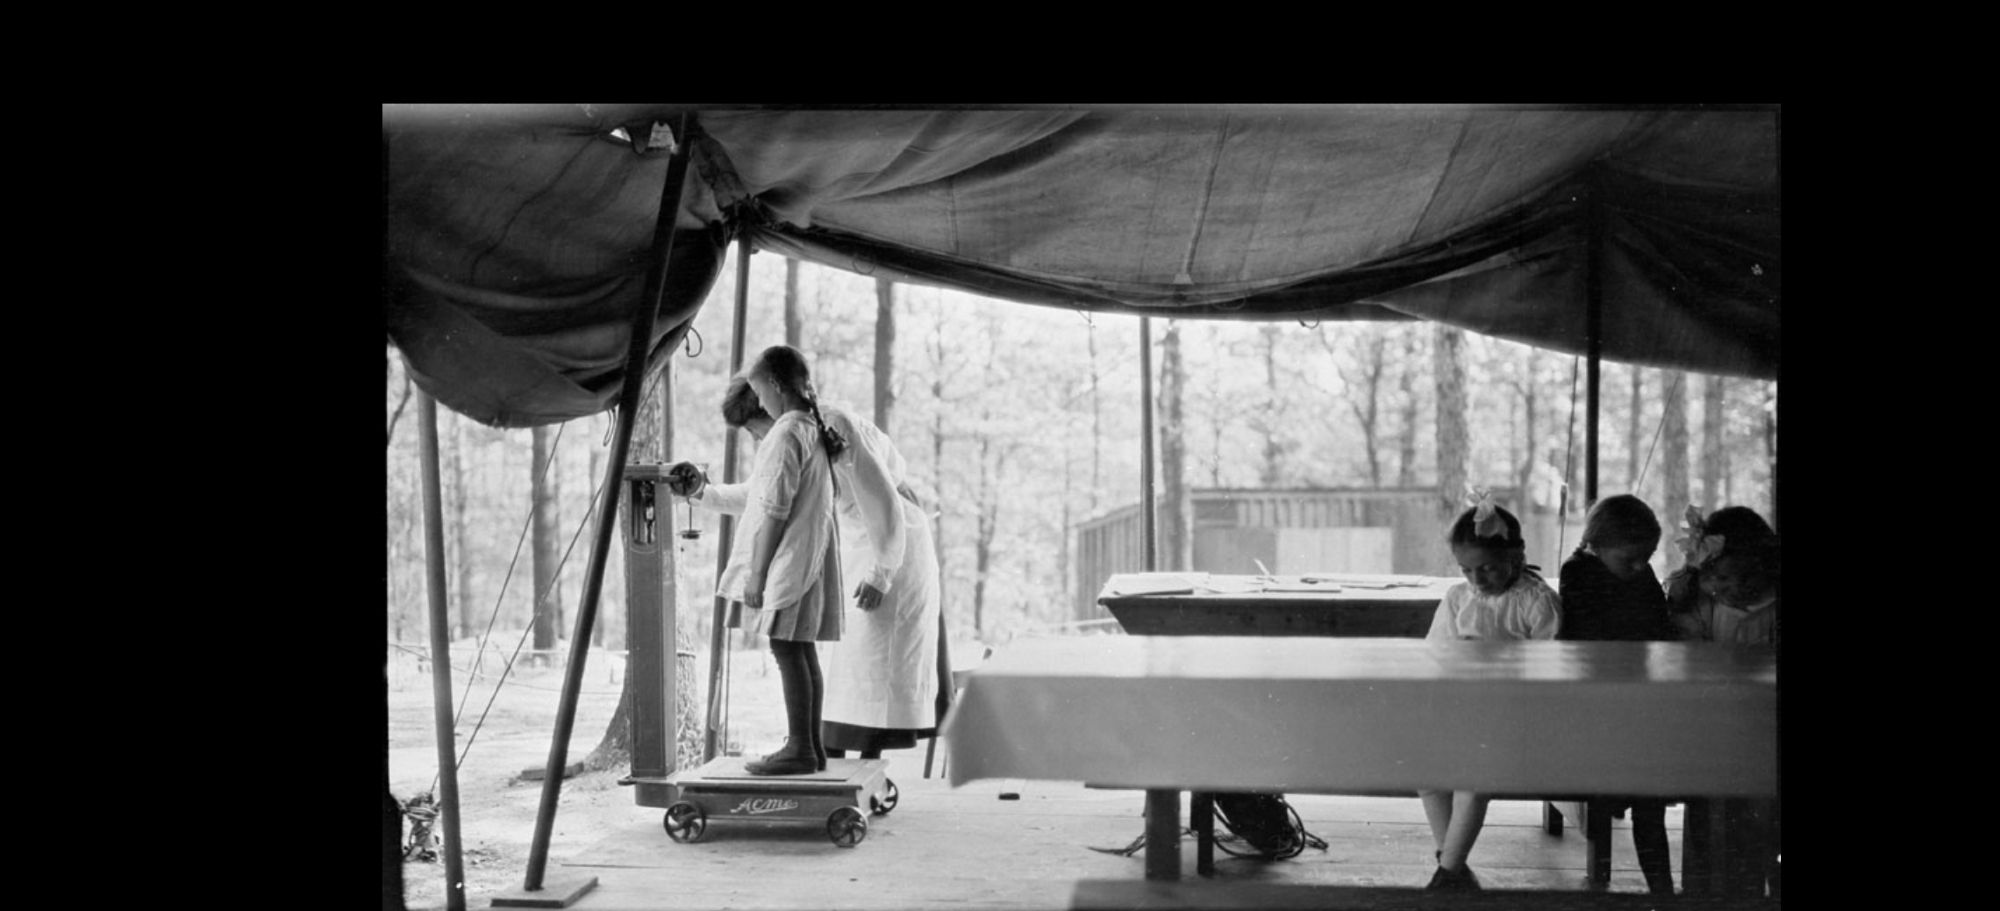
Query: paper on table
column 1371, row 582
column 1298, row 584
column 1232, row 585
column 1155, row 584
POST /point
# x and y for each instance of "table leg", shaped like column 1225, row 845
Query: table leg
column 1741, row 850
column 1597, row 843
column 1163, row 834
column 1201, row 817
column 1700, row 828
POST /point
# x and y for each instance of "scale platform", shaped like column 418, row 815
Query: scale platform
column 841, row 799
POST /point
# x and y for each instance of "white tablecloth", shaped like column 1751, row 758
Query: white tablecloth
column 1323, row 715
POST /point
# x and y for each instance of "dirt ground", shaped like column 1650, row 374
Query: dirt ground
column 497, row 808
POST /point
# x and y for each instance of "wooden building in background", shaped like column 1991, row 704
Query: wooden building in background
column 1299, row 531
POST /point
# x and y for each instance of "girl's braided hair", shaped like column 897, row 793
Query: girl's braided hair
column 787, row 368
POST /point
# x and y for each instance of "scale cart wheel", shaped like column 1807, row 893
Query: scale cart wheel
column 880, row 806
column 846, row 826
column 685, row 822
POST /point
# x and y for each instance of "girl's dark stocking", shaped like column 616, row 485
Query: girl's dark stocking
column 796, row 677
column 818, row 703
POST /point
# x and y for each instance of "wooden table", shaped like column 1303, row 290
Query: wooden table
column 1368, row 716
column 1212, row 604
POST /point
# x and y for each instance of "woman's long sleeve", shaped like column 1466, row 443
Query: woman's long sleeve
column 881, row 508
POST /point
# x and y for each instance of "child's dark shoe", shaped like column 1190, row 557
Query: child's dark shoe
column 783, row 765
column 788, row 760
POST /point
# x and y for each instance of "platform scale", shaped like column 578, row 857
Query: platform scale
column 721, row 790
column 839, row 800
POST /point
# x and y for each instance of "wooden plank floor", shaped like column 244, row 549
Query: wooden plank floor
column 966, row 848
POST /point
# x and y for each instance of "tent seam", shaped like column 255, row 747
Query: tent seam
column 1186, row 275
column 1424, row 217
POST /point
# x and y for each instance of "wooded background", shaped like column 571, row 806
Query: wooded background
column 1024, row 420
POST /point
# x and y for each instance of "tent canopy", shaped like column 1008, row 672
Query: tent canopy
column 517, row 238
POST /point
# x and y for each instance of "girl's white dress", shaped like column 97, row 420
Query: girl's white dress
column 1528, row 609
column 791, row 482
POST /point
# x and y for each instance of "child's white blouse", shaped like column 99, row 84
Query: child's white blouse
column 792, row 483
column 1529, row 609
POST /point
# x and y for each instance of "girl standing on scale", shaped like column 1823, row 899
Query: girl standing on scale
column 792, row 575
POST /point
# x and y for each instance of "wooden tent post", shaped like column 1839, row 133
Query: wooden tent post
column 454, row 862
column 718, row 636
column 1163, row 808
column 631, row 387
column 1593, row 329
column 1149, row 551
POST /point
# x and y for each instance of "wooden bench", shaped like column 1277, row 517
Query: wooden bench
column 1597, row 851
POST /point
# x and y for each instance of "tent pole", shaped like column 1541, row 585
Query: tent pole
column 718, row 637
column 631, row 387
column 1149, row 551
column 454, row 862
column 1593, row 321
column 1162, row 808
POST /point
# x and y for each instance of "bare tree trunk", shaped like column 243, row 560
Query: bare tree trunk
column 1635, row 433
column 937, row 456
column 395, row 597
column 1063, row 552
column 1366, row 407
column 546, row 549
column 988, row 507
column 397, row 415
column 1274, row 455
column 1406, row 450
column 1176, row 522
column 1371, row 425
column 1215, row 453
column 1771, row 451
column 461, row 533
column 1453, row 440
column 1714, row 455
column 794, row 330
column 1096, row 421
column 608, row 592
column 1530, row 449
column 1674, row 443
column 885, row 352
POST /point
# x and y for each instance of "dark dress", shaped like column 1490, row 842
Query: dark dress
column 1598, row 606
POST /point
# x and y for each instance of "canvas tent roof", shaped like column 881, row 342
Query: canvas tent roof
column 517, row 238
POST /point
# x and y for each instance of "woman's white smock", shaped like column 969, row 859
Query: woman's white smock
column 883, row 672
